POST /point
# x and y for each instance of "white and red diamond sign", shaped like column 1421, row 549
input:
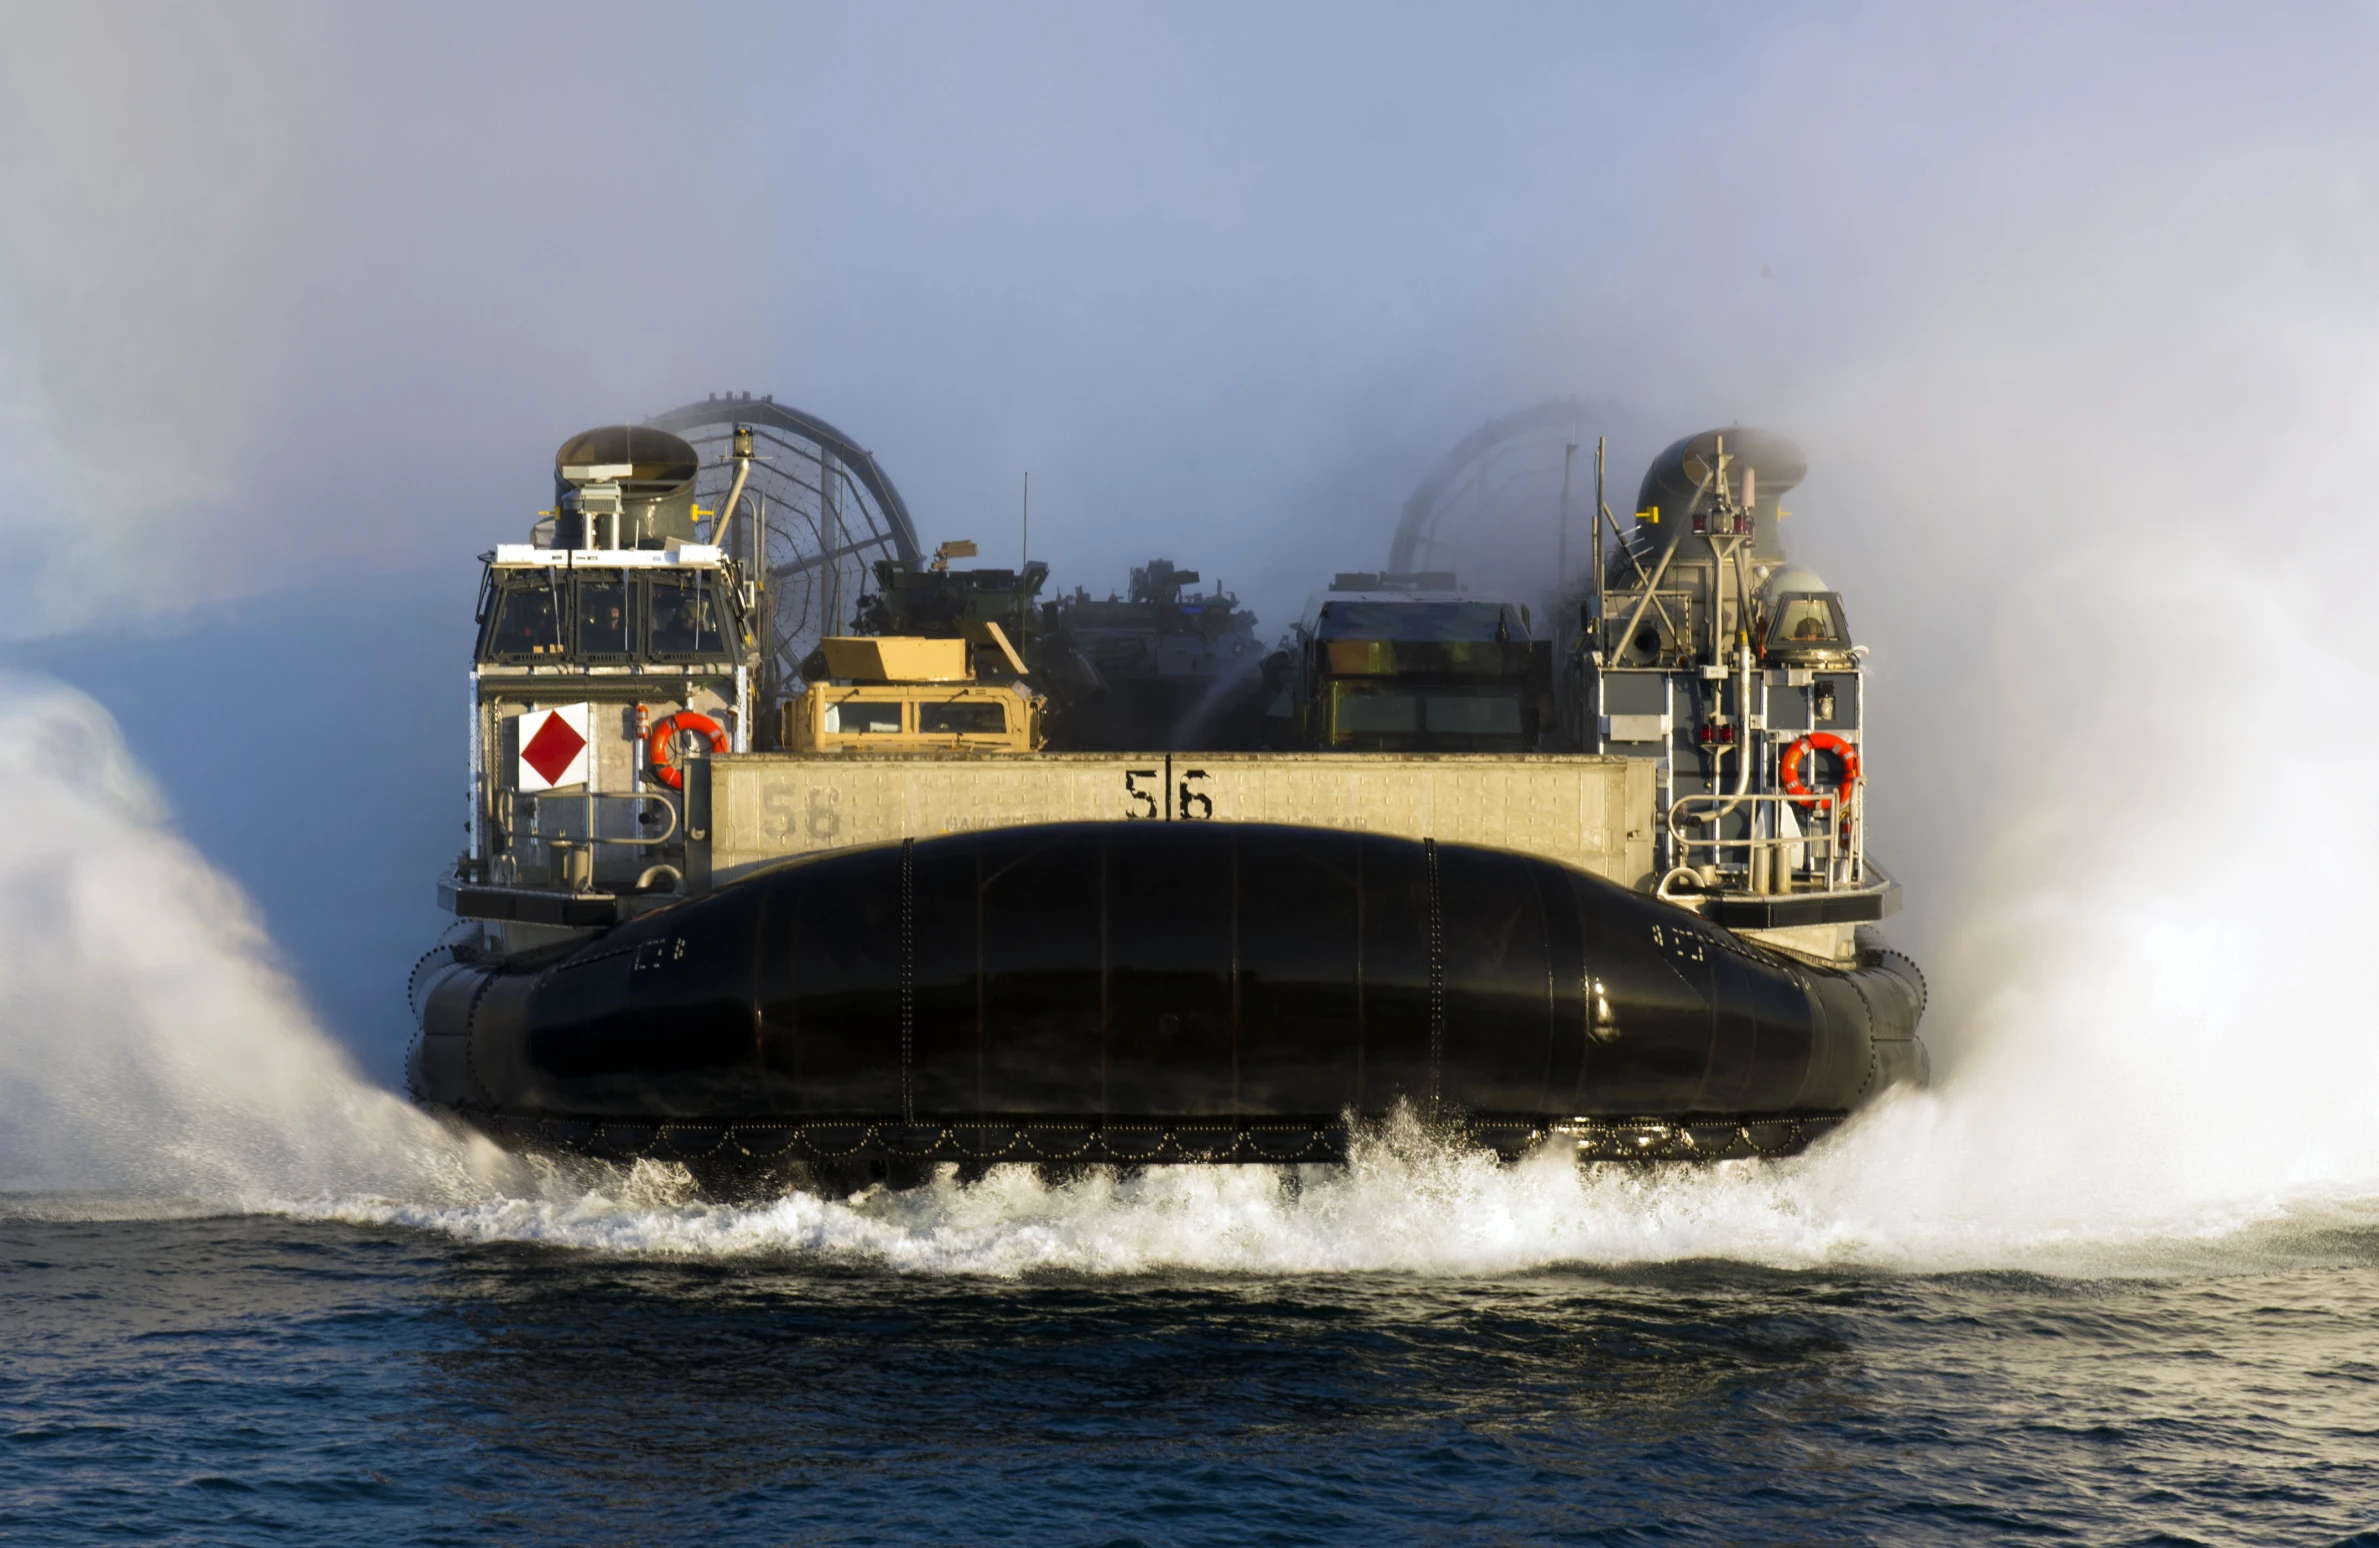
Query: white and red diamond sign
column 553, row 747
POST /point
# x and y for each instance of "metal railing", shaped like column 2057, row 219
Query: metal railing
column 576, row 851
column 1827, row 854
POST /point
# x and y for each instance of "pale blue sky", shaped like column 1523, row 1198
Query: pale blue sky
column 331, row 280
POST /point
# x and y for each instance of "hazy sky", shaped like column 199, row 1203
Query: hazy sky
column 293, row 287
column 306, row 295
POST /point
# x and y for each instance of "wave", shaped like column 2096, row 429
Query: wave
column 1406, row 1203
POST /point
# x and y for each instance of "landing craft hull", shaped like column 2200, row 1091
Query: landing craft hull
column 1127, row 993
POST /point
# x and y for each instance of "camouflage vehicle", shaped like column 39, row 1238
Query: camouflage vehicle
column 933, row 601
column 1177, row 669
column 1411, row 663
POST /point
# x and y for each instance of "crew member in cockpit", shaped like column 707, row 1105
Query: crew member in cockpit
column 678, row 624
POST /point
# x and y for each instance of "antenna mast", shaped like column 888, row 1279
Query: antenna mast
column 1569, row 450
column 1602, row 513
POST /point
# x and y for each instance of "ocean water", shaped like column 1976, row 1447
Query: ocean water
column 2114, row 1279
column 1027, row 1369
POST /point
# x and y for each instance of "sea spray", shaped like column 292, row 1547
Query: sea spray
column 1409, row 1203
column 150, row 1041
column 2161, row 1003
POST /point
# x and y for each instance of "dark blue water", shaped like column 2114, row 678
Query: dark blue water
column 261, row 1378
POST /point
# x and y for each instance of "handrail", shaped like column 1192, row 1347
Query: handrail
column 570, row 842
column 1821, row 847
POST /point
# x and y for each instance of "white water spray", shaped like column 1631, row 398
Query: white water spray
column 150, row 1043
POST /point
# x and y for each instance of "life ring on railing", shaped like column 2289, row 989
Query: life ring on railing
column 661, row 746
column 1789, row 771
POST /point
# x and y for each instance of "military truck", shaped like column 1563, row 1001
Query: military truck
column 1411, row 663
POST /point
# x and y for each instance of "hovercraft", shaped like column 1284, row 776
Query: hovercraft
column 783, row 906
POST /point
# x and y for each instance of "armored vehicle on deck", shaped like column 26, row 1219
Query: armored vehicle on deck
column 935, row 601
column 1177, row 669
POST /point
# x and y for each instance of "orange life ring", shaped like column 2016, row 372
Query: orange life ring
column 1789, row 771
column 662, row 743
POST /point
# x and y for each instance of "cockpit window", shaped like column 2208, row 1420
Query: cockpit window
column 602, row 617
column 528, row 626
column 687, row 619
column 605, row 617
column 1808, row 621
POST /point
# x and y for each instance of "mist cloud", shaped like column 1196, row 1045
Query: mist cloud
column 294, row 286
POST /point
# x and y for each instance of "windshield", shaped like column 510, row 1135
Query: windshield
column 593, row 616
column 602, row 617
column 1363, row 711
column 526, row 625
column 1807, row 618
column 1418, row 621
column 686, row 617
column 860, row 715
column 1472, row 714
column 963, row 719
